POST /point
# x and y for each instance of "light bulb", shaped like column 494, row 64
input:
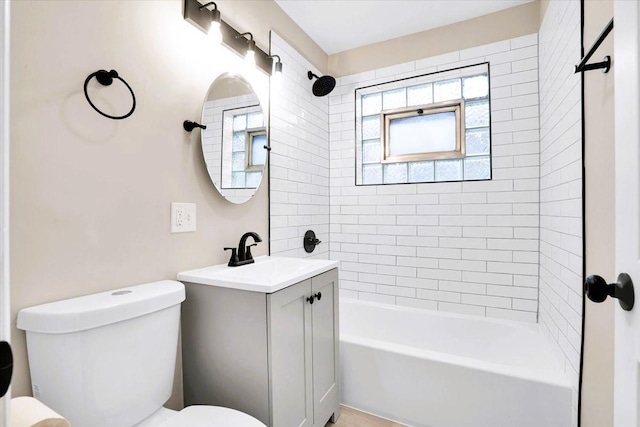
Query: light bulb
column 214, row 33
column 250, row 58
column 276, row 76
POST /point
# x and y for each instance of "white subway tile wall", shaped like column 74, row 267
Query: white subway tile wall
column 561, row 186
column 299, row 176
column 463, row 247
column 507, row 248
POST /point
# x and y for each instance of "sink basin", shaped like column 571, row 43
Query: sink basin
column 267, row 274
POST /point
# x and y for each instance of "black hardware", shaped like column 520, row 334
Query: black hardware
column 233, row 261
column 245, row 34
column 267, row 147
column 105, row 78
column 323, row 86
column 248, row 253
column 189, row 126
column 310, row 241
column 314, row 297
column 598, row 290
column 6, row 367
column 243, row 252
column 606, row 63
column 215, row 13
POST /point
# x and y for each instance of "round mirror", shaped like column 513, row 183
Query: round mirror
column 234, row 143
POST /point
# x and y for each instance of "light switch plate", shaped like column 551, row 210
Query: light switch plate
column 183, row 217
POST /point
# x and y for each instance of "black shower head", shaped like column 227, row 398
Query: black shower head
column 323, row 86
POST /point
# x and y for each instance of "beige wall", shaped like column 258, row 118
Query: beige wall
column 503, row 25
column 90, row 197
column 544, row 5
column 597, row 389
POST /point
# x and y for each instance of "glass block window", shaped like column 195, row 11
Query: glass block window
column 248, row 155
column 430, row 128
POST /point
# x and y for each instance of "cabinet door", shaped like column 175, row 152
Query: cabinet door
column 290, row 356
column 324, row 314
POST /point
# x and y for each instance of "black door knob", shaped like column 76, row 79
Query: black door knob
column 311, row 299
column 6, row 367
column 597, row 290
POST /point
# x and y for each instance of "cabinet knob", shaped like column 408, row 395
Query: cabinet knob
column 319, row 296
column 311, row 298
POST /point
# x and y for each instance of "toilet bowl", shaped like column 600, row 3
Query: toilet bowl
column 200, row 416
column 108, row 359
column 211, row 416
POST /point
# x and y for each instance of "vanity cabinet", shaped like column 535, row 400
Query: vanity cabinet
column 271, row 355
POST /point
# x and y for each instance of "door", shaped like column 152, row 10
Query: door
column 324, row 316
column 289, row 332
column 627, row 150
column 5, row 350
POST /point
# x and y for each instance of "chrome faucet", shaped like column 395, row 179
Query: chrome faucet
column 243, row 255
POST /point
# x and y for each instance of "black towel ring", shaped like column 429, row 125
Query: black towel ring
column 105, row 78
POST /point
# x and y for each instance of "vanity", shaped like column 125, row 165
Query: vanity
column 263, row 339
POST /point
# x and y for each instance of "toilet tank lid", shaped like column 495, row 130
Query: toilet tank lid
column 92, row 311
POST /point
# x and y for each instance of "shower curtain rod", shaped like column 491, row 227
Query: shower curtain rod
column 606, row 63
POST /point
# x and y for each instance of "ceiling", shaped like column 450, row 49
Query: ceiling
column 338, row 25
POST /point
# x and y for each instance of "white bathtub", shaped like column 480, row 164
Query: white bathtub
column 432, row 369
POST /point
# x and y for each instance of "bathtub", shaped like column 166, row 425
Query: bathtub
column 424, row 368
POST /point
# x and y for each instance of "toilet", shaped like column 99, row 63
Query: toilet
column 108, row 359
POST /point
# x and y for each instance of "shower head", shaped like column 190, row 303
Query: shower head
column 323, row 86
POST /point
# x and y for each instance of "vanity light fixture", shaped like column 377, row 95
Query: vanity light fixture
column 278, row 66
column 250, row 56
column 198, row 14
column 214, row 29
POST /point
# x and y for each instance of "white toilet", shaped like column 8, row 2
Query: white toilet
column 108, row 360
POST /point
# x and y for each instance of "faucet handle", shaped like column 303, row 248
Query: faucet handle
column 233, row 261
column 248, row 253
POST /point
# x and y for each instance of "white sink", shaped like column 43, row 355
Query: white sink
column 267, row 274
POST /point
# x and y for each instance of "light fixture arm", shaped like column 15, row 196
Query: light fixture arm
column 204, row 6
column 244, row 34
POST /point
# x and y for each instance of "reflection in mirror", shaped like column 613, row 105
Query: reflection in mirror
column 234, row 143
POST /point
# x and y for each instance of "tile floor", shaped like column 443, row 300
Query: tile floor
column 352, row 418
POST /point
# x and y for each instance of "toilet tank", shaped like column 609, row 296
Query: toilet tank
column 108, row 359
